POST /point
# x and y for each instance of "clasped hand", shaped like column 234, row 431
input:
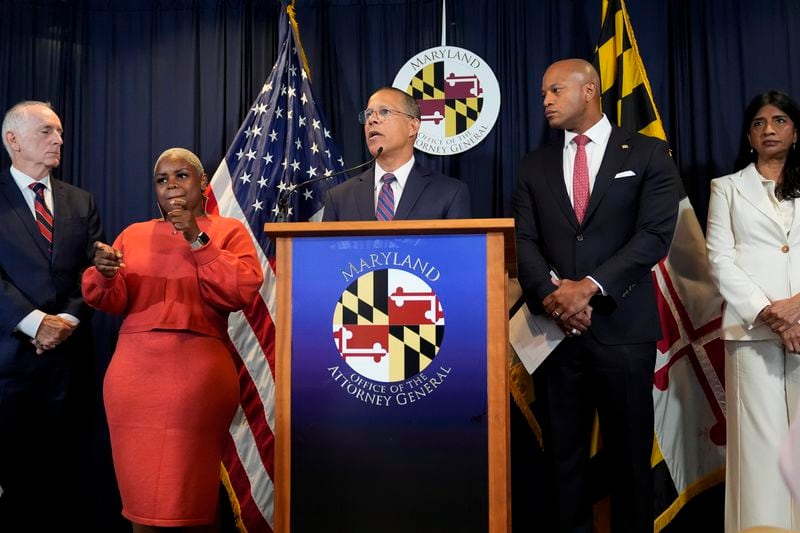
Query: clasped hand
column 782, row 317
column 791, row 338
column 52, row 331
column 781, row 314
column 569, row 305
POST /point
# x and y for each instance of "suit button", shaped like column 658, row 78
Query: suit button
column 579, row 237
column 785, row 248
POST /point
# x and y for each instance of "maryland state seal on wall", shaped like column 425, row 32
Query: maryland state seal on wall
column 388, row 325
column 458, row 96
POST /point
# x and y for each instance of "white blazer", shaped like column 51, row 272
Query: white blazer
column 753, row 261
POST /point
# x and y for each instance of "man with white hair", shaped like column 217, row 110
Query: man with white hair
column 48, row 231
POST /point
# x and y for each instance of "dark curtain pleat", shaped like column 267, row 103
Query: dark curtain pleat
column 133, row 77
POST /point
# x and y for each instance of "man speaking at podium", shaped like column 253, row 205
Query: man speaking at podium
column 396, row 188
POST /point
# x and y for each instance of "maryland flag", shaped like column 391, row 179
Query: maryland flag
column 388, row 325
column 688, row 385
column 626, row 94
column 458, row 100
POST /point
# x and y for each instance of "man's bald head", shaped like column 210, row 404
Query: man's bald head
column 580, row 68
column 571, row 95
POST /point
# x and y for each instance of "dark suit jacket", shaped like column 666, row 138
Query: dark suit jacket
column 427, row 195
column 626, row 230
column 29, row 279
column 46, row 399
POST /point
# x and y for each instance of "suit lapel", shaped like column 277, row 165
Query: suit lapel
column 752, row 190
column 365, row 195
column 554, row 174
column 11, row 194
column 617, row 152
column 418, row 180
column 61, row 209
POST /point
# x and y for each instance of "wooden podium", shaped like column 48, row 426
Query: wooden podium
column 392, row 399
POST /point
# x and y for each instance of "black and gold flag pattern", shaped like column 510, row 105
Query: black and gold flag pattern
column 436, row 93
column 365, row 301
column 460, row 114
column 368, row 325
column 428, row 83
column 418, row 344
column 627, row 98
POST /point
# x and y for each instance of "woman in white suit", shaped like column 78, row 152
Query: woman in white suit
column 753, row 242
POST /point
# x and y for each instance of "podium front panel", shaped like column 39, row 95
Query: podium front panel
column 389, row 427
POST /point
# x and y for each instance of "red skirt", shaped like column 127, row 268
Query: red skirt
column 170, row 397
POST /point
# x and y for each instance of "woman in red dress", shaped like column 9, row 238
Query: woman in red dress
column 172, row 389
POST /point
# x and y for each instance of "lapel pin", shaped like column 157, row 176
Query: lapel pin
column 624, row 146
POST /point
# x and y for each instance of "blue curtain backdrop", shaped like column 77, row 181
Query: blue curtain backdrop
column 130, row 78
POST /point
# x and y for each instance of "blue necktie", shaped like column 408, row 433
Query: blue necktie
column 385, row 208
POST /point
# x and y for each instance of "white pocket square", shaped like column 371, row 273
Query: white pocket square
column 624, row 174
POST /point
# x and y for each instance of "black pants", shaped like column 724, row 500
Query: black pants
column 43, row 451
column 582, row 376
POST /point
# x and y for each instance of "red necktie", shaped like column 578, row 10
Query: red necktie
column 580, row 178
column 44, row 217
column 385, row 208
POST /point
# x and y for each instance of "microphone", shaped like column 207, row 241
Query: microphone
column 283, row 198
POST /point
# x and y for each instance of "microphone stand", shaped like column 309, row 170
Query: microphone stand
column 283, row 197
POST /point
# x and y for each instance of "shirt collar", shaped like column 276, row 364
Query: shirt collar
column 400, row 173
column 600, row 130
column 24, row 181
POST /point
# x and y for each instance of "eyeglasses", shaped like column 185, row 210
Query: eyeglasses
column 383, row 114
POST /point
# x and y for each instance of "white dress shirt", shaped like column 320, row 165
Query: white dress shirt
column 24, row 182
column 784, row 209
column 595, row 149
column 401, row 176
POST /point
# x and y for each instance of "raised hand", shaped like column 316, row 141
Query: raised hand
column 107, row 260
column 183, row 219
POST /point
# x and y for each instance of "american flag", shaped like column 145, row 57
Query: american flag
column 283, row 141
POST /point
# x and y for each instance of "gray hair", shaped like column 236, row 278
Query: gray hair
column 410, row 105
column 15, row 118
column 184, row 154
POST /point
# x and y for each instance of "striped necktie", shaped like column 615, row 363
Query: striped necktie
column 580, row 178
column 385, row 208
column 44, row 217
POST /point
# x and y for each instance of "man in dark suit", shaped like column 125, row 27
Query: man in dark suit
column 49, row 228
column 594, row 213
column 397, row 188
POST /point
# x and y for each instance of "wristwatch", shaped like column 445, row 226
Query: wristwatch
column 201, row 240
